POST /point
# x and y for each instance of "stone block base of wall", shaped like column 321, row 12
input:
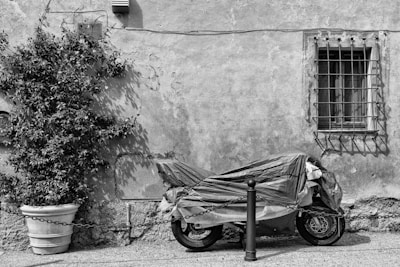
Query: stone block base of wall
column 13, row 233
column 121, row 223
column 373, row 214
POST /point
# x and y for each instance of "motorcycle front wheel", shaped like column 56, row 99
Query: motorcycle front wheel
column 196, row 239
column 319, row 227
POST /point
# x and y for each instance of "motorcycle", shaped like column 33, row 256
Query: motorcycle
column 293, row 192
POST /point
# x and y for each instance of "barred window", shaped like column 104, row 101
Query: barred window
column 346, row 77
column 347, row 87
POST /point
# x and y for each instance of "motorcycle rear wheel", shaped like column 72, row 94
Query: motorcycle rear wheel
column 321, row 229
column 196, row 239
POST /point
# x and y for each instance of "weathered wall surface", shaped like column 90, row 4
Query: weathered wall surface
column 13, row 233
column 219, row 101
column 225, row 100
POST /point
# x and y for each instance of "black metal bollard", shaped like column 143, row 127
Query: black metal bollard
column 251, row 222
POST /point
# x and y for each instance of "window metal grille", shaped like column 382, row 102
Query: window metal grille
column 348, row 87
column 346, row 76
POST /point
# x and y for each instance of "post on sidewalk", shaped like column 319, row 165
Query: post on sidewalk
column 251, row 222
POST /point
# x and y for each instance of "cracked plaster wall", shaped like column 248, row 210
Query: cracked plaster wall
column 221, row 101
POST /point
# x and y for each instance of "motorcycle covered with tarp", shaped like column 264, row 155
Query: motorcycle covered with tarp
column 293, row 192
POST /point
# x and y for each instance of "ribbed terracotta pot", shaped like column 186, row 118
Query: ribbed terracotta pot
column 49, row 238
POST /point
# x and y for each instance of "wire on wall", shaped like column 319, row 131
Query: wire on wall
column 83, row 12
column 222, row 32
column 213, row 32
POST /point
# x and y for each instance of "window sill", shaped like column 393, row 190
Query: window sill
column 349, row 131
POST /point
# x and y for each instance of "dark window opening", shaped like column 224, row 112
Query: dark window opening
column 344, row 93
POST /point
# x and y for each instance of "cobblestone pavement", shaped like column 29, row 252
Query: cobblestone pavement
column 354, row 249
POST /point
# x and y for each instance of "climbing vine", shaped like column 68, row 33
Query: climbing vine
column 55, row 135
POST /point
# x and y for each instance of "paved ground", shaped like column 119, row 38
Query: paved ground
column 354, row 249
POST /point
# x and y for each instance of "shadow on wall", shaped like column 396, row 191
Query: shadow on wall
column 121, row 101
column 134, row 18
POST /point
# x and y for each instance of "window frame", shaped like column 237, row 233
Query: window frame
column 372, row 139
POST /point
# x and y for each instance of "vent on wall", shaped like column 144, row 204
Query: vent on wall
column 120, row 6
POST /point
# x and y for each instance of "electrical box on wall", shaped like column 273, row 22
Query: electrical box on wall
column 120, row 6
column 91, row 29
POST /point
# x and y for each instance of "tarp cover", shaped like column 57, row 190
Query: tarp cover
column 177, row 173
column 280, row 183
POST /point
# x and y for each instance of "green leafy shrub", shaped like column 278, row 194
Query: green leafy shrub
column 55, row 136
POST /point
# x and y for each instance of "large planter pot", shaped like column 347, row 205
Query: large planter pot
column 45, row 237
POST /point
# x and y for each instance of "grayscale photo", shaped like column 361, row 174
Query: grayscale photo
column 199, row 133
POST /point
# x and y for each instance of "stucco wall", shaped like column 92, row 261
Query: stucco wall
column 223, row 100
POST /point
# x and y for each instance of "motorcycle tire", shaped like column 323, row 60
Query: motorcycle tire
column 196, row 239
column 320, row 229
